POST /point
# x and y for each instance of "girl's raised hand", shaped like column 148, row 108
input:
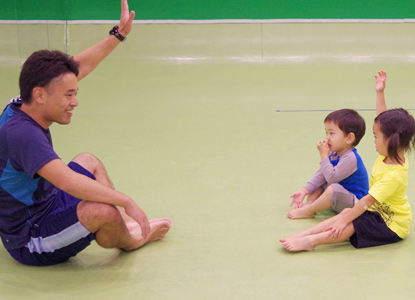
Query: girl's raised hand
column 380, row 81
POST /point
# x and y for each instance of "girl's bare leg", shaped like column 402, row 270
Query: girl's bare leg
column 318, row 228
column 309, row 242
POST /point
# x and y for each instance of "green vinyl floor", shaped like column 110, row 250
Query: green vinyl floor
column 214, row 127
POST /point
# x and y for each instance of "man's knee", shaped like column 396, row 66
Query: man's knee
column 88, row 161
column 94, row 215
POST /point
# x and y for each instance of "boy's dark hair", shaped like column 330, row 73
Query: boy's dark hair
column 398, row 126
column 348, row 121
column 41, row 67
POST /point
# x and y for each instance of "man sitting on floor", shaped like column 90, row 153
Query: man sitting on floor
column 50, row 211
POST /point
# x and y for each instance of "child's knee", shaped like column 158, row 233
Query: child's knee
column 341, row 198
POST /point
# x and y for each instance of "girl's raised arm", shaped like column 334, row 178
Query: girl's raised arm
column 380, row 95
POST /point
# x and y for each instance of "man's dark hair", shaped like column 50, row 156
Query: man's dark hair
column 348, row 121
column 41, row 67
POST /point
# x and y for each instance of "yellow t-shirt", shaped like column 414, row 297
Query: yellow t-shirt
column 388, row 186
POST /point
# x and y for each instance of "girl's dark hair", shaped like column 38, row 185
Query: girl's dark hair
column 41, row 67
column 398, row 126
column 348, row 120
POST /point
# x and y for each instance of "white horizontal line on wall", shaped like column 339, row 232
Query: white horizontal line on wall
column 222, row 21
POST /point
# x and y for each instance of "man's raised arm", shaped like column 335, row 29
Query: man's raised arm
column 90, row 58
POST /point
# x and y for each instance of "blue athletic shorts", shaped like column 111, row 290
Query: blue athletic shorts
column 59, row 235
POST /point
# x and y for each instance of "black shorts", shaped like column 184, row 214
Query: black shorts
column 371, row 230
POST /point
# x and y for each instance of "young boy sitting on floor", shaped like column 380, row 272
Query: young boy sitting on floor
column 342, row 178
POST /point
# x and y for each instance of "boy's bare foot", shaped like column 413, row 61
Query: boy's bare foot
column 300, row 213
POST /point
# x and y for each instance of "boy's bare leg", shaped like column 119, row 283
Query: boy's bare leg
column 321, row 203
column 313, row 197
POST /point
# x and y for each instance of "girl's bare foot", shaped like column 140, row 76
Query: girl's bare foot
column 295, row 236
column 298, row 244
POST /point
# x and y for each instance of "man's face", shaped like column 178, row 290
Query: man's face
column 60, row 99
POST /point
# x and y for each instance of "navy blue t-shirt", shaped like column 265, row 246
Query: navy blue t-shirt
column 25, row 197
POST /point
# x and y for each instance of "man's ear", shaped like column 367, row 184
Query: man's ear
column 38, row 94
column 351, row 138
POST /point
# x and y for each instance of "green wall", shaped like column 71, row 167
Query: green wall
column 207, row 9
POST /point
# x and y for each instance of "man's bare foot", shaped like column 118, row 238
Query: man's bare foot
column 298, row 244
column 300, row 213
column 158, row 229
